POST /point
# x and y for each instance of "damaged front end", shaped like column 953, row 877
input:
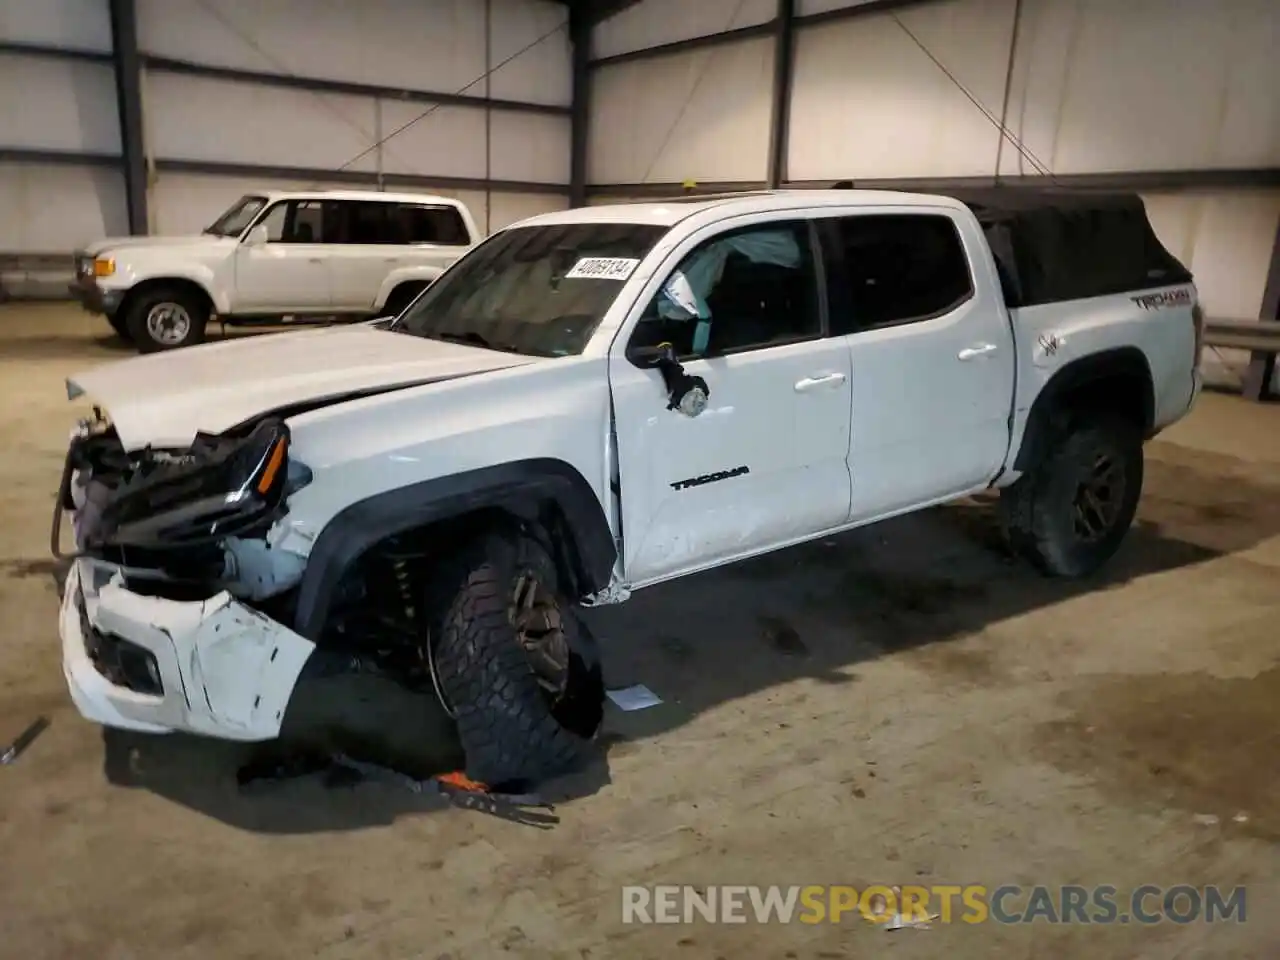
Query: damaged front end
column 163, row 621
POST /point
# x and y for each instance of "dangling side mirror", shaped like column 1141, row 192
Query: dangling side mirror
column 687, row 394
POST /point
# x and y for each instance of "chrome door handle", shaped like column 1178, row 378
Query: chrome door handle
column 981, row 350
column 812, row 383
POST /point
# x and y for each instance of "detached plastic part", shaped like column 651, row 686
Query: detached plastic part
column 227, row 671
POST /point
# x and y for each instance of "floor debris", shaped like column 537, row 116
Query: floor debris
column 636, row 697
column 24, row 741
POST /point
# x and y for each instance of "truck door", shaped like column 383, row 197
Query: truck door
column 931, row 354
column 763, row 464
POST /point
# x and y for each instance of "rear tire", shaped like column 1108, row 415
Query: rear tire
column 523, row 714
column 166, row 318
column 1069, row 514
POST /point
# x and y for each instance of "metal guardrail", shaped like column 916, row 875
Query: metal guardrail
column 1255, row 335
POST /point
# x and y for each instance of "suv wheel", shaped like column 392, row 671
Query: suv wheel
column 513, row 662
column 117, row 322
column 166, row 318
column 1069, row 515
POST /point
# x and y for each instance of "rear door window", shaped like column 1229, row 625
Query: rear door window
column 889, row 269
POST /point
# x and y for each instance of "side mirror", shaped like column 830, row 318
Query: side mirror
column 648, row 358
column 257, row 236
column 684, row 393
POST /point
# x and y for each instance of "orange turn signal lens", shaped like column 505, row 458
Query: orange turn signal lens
column 275, row 460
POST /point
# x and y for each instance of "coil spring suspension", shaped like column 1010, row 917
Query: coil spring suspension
column 403, row 562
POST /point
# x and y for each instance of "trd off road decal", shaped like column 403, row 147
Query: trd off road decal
column 1159, row 301
column 710, row 478
column 602, row 268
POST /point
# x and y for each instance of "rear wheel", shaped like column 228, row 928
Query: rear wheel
column 166, row 318
column 513, row 662
column 1069, row 514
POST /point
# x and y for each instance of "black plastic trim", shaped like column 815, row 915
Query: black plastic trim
column 360, row 526
column 1121, row 362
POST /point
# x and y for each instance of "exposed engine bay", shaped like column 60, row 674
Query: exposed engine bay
column 177, row 545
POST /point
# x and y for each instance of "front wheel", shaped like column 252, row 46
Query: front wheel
column 166, row 318
column 513, row 663
column 117, row 322
column 1070, row 513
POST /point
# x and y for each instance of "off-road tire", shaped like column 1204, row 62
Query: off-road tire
column 139, row 306
column 509, row 728
column 1038, row 511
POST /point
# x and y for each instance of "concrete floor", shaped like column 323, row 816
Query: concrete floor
column 900, row 705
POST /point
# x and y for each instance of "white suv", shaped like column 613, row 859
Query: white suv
column 274, row 256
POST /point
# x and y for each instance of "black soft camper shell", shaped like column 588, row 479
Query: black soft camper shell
column 1057, row 245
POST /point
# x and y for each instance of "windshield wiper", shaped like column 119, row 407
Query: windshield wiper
column 476, row 339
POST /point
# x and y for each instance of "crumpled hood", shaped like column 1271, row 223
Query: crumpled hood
column 164, row 399
column 109, row 244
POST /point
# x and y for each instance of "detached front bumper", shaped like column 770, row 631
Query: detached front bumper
column 212, row 667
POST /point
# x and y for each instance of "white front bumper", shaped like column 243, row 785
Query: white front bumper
column 227, row 671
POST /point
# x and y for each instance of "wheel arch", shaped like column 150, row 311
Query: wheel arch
column 547, row 491
column 186, row 284
column 1115, row 382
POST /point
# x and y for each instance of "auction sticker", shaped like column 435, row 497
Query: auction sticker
column 602, row 268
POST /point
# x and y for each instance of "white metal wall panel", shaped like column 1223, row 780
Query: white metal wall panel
column 868, row 102
column 75, row 24
column 542, row 72
column 507, row 208
column 700, row 115
column 529, row 147
column 1225, row 239
column 651, row 23
column 195, row 118
column 57, row 105
column 449, row 141
column 51, row 208
column 423, row 44
column 806, row 7
column 1147, row 85
column 415, row 44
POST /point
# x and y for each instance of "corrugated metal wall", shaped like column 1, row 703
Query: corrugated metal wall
column 918, row 92
column 60, row 179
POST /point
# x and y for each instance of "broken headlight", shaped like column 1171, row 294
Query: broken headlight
column 222, row 486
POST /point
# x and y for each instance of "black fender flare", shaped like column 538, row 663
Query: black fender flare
column 357, row 527
column 1123, row 364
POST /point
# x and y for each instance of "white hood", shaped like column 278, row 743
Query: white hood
column 164, row 399
column 123, row 243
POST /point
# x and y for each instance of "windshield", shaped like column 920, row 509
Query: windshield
column 239, row 216
column 534, row 290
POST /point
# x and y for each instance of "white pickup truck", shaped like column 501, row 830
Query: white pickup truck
column 271, row 256
column 589, row 403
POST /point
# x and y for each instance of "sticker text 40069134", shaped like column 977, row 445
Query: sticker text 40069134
column 602, row 268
